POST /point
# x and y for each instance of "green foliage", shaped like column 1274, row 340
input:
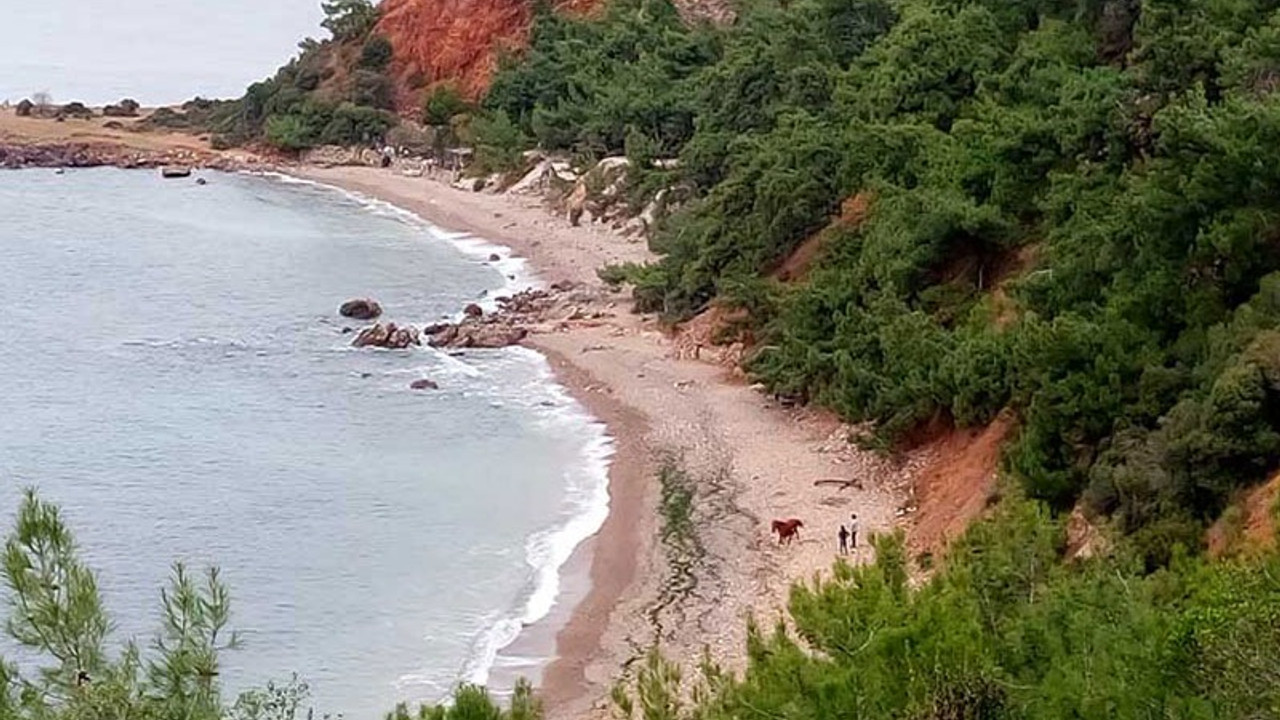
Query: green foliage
column 290, row 132
column 1072, row 214
column 55, row 615
column 376, row 53
column 1005, row 629
column 475, row 703
column 306, row 103
column 442, row 104
column 348, row 19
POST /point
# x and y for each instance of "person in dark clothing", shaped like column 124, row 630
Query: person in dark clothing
column 853, row 531
column 844, row 540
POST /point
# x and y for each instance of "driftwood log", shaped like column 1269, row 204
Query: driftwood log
column 842, row 484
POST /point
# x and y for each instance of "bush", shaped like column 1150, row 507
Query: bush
column 376, row 53
column 290, row 132
column 442, row 104
column 372, row 89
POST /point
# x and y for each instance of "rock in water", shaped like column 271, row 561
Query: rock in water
column 374, row 336
column 387, row 336
column 175, row 171
column 360, row 309
column 435, row 328
column 473, row 311
column 424, row 384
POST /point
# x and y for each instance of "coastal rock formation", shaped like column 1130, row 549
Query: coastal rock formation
column 424, row 384
column 360, row 309
column 456, row 41
column 471, row 334
column 387, row 336
column 532, row 310
column 98, row 154
column 473, row 311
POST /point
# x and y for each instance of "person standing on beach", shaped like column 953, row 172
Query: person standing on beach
column 853, row 531
column 844, row 540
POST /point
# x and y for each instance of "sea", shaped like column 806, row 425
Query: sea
column 158, row 52
column 177, row 379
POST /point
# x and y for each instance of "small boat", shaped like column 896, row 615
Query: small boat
column 175, row 171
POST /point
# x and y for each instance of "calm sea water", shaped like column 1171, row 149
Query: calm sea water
column 176, row 377
column 157, row 51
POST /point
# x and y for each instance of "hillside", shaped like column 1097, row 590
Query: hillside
column 456, row 42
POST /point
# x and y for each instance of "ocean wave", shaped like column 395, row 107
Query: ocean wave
column 585, row 508
column 586, row 499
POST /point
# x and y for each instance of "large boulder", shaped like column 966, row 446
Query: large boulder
column 360, row 309
column 478, row 335
column 372, row 336
column 473, row 311
column 424, row 384
column 24, row 108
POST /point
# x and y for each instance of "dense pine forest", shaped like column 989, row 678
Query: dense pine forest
column 1064, row 208
column 937, row 210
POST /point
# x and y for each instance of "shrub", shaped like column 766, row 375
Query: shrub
column 376, row 53
column 442, row 104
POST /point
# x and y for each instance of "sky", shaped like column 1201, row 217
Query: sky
column 155, row 51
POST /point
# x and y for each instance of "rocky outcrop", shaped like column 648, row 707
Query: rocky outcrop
column 456, row 41
column 336, row 155
column 387, row 336
column 533, row 310
column 473, row 334
column 81, row 154
column 360, row 309
column 544, row 176
column 424, row 384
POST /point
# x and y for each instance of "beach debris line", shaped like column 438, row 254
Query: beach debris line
column 360, row 309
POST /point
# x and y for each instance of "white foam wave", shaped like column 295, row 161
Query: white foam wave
column 586, row 499
column 584, row 510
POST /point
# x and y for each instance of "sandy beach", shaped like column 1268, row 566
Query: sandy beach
column 672, row 401
column 748, row 460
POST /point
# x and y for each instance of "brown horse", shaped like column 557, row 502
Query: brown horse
column 787, row 530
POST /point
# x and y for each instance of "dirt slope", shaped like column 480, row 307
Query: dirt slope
column 457, row 41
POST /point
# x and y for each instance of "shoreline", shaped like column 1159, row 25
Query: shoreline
column 608, row 559
column 744, row 459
